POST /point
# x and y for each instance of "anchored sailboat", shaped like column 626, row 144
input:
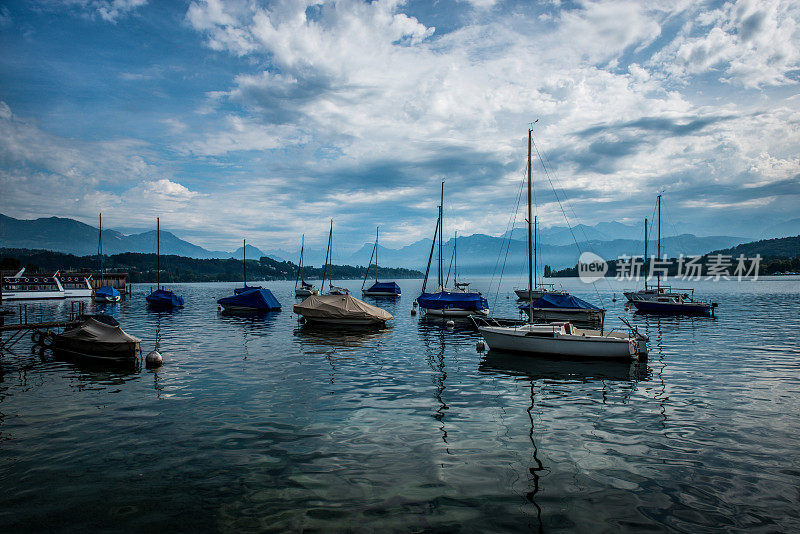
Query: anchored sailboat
column 539, row 289
column 663, row 299
column 557, row 338
column 378, row 289
column 162, row 299
column 249, row 298
column 301, row 287
column 443, row 302
column 104, row 293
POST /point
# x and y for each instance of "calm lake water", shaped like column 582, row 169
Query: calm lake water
column 261, row 424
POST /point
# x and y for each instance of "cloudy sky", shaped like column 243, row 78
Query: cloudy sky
column 241, row 118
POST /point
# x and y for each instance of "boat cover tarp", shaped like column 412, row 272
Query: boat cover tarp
column 306, row 284
column 555, row 301
column 445, row 300
column 239, row 290
column 254, row 298
column 92, row 330
column 345, row 307
column 107, row 291
column 385, row 287
column 162, row 297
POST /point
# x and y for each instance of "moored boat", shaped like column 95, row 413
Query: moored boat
column 98, row 338
column 162, row 299
column 301, row 287
column 104, row 294
column 378, row 289
column 455, row 302
column 559, row 339
column 249, row 298
column 32, row 287
column 564, row 307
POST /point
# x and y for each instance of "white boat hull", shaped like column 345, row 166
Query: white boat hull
column 78, row 293
column 106, row 299
column 32, row 295
column 572, row 346
column 304, row 292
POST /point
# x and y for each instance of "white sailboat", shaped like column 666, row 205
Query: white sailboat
column 559, row 339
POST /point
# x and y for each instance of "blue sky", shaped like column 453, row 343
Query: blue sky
column 237, row 118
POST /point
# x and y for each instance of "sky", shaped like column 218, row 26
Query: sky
column 233, row 119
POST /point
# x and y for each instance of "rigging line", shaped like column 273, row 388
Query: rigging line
column 507, row 242
column 566, row 218
column 512, row 219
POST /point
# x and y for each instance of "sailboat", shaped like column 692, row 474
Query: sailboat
column 539, row 289
column 162, row 298
column 663, row 299
column 332, row 289
column 301, row 287
column 457, row 302
column 249, row 298
column 562, row 339
column 104, row 293
column 378, row 289
column 339, row 309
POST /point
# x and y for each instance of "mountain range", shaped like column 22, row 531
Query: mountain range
column 477, row 253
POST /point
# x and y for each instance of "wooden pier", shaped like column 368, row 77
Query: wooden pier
column 24, row 326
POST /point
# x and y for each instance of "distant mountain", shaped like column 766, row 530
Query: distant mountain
column 74, row 237
column 784, row 247
column 783, row 229
column 253, row 253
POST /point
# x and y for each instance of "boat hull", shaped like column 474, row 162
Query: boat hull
column 78, row 293
column 569, row 314
column 524, row 294
column 511, row 340
column 304, row 292
column 668, row 308
column 345, row 322
column 379, row 294
column 107, row 299
column 97, row 351
column 32, row 295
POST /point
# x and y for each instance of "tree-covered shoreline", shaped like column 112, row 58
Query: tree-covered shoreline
column 141, row 268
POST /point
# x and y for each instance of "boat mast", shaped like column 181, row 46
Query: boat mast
column 455, row 261
column 376, row 254
column 530, row 216
column 327, row 252
column 244, row 261
column 535, row 254
column 300, row 267
column 441, row 224
column 158, row 254
column 430, row 257
column 645, row 253
column 100, row 248
column 658, row 275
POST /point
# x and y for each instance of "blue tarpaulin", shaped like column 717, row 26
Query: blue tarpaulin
column 560, row 301
column 445, row 300
column 385, row 287
column 161, row 298
column 256, row 299
column 107, row 291
column 239, row 290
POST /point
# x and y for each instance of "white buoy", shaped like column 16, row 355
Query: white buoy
column 451, row 323
column 480, row 346
column 154, row 359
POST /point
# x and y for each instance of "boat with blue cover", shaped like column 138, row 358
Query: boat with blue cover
column 378, row 289
column 456, row 302
column 249, row 298
column 162, row 299
column 561, row 307
column 104, row 294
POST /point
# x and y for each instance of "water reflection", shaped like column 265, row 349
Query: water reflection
column 555, row 369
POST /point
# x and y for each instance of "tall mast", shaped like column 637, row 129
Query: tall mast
column 441, row 224
column 530, row 217
column 645, row 253
column 658, row 275
column 100, row 248
column 300, row 267
column 535, row 251
column 244, row 261
column 455, row 261
column 327, row 252
column 376, row 253
column 158, row 254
